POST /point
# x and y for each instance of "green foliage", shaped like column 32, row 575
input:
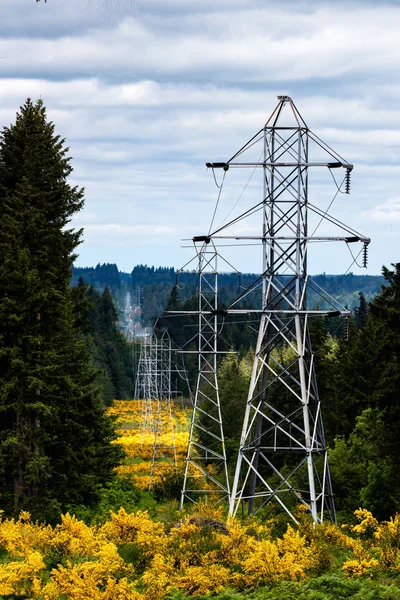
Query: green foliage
column 135, row 555
column 168, row 486
column 367, row 383
column 113, row 495
column 54, row 436
column 99, row 277
column 233, row 382
column 326, row 587
column 111, row 353
column 361, row 311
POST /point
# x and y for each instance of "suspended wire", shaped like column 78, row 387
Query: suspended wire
column 215, row 179
column 222, row 324
column 345, row 273
column 247, row 145
column 339, row 188
column 355, row 258
column 242, row 192
column 251, row 288
column 333, row 220
column 219, row 196
column 193, row 280
column 330, row 204
column 231, row 246
column 236, row 322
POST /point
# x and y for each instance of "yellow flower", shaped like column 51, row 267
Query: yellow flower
column 19, row 576
column 354, row 567
column 367, row 521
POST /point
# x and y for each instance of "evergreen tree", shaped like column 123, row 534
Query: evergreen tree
column 233, row 386
column 54, row 436
column 110, row 351
column 370, row 389
column 361, row 311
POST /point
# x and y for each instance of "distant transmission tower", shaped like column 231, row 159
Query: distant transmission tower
column 282, row 459
column 206, row 470
column 164, row 430
column 146, row 385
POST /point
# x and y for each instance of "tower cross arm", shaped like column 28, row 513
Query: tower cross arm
column 329, row 165
column 265, row 311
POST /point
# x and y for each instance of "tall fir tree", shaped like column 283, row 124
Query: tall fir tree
column 361, row 311
column 54, row 436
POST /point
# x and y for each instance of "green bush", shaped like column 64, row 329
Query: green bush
column 326, row 587
column 120, row 492
column 168, row 487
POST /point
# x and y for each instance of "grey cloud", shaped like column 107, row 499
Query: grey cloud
column 146, row 95
column 257, row 45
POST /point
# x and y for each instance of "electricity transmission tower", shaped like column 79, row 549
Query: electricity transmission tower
column 146, row 385
column 282, row 459
column 164, row 436
column 206, row 471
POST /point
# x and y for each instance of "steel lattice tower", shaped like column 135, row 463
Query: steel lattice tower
column 161, row 447
column 206, row 470
column 282, row 459
column 146, row 385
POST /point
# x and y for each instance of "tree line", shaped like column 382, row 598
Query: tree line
column 156, row 284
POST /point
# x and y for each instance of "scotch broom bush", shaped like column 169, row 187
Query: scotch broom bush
column 134, row 556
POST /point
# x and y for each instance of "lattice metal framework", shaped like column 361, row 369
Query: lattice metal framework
column 164, row 430
column 146, row 385
column 282, row 459
column 206, row 470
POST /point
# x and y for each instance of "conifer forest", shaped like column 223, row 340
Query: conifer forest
column 94, row 464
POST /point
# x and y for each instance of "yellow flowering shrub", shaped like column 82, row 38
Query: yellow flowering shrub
column 203, row 553
column 125, row 528
column 377, row 545
column 159, row 578
column 71, row 538
column 136, row 435
column 93, row 578
column 367, row 524
column 17, row 536
column 22, row 576
column 357, row 567
column 387, row 539
column 203, row 580
column 133, row 556
column 285, row 558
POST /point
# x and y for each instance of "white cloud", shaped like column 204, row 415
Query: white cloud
column 145, row 96
column 389, row 211
column 260, row 44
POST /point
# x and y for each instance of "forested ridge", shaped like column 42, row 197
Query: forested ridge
column 156, row 284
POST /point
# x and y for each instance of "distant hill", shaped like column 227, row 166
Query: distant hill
column 156, row 283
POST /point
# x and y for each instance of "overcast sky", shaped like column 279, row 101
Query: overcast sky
column 147, row 91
